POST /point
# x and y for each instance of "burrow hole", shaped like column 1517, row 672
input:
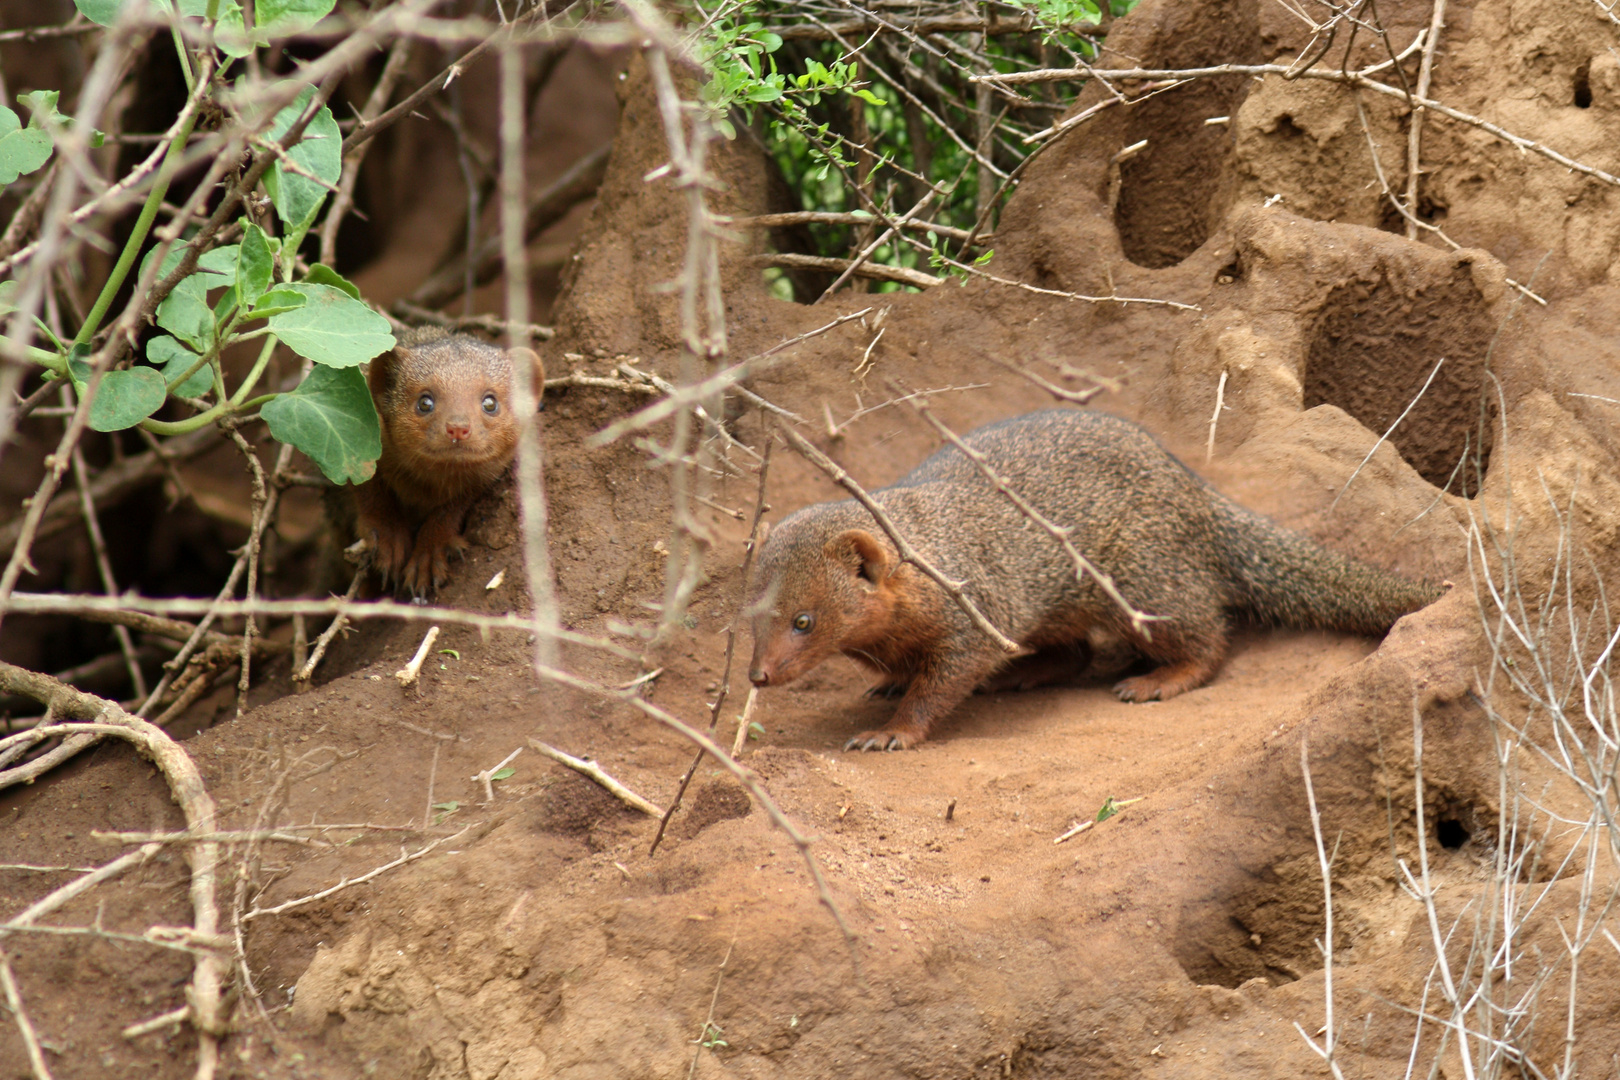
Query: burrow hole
column 1583, row 85
column 1451, row 833
column 1373, row 347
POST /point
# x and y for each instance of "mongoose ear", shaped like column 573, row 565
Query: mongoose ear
column 862, row 552
column 380, row 374
column 537, row 366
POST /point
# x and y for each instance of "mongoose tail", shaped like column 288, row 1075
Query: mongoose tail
column 1286, row 579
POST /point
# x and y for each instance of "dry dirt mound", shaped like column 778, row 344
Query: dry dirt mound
column 1178, row 939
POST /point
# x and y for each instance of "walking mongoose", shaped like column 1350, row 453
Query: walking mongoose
column 448, row 432
column 830, row 581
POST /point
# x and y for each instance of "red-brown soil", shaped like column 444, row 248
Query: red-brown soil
column 1179, row 939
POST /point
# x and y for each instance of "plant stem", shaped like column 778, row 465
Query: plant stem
column 143, row 226
column 254, row 375
column 55, row 361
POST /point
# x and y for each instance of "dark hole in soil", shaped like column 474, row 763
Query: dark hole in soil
column 1583, row 86
column 1168, row 191
column 1285, row 128
column 1373, row 348
column 1451, row 833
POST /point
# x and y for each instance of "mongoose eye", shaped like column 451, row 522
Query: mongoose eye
column 492, row 404
column 424, row 404
column 803, row 622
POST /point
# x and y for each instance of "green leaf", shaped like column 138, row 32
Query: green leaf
column 275, row 302
column 869, row 97
column 254, row 265
column 185, row 312
column 224, row 306
column 332, row 327
column 125, row 398
column 175, row 360
column 230, row 33
column 22, row 149
column 102, row 12
column 453, row 654
column 219, row 265
column 321, row 274
column 42, row 105
column 769, row 41
column 503, row 774
column 319, row 153
column 330, row 418
column 279, row 18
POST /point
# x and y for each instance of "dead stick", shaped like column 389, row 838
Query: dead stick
column 594, row 771
column 302, row 675
column 407, row 675
column 25, row 1027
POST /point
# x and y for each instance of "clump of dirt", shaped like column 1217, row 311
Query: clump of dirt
column 1179, row 937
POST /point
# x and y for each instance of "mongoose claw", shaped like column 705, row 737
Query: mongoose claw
column 880, row 740
column 1137, row 689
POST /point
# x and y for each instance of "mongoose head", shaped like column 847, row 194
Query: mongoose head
column 818, row 590
column 446, row 401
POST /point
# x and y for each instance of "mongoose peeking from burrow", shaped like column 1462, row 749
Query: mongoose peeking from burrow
column 448, row 432
column 829, row 581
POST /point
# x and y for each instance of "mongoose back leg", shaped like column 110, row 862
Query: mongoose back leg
column 1045, row 666
column 1178, row 674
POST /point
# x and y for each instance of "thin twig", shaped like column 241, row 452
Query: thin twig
column 1330, row 1031
column 25, row 1026
column 1414, row 124
column 1347, row 78
column 1381, row 439
column 408, row 674
column 98, row 545
column 339, row 620
column 750, row 546
column 591, row 769
column 361, row 880
column 186, row 786
column 488, row 775
column 1215, row 417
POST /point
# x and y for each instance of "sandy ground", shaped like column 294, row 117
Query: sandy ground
column 1177, row 939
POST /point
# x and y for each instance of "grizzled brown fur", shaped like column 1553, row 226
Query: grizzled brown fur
column 448, row 432
column 828, row 581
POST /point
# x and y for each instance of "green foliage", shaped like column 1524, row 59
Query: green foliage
column 272, row 18
column 318, row 154
column 25, row 149
column 185, row 372
column 331, row 419
column 237, row 293
column 331, row 327
column 834, row 112
column 22, row 149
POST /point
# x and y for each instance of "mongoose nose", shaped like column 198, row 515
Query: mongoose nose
column 457, row 430
column 759, row 677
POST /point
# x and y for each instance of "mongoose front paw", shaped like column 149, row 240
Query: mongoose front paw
column 884, row 740
column 391, row 552
column 429, row 565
